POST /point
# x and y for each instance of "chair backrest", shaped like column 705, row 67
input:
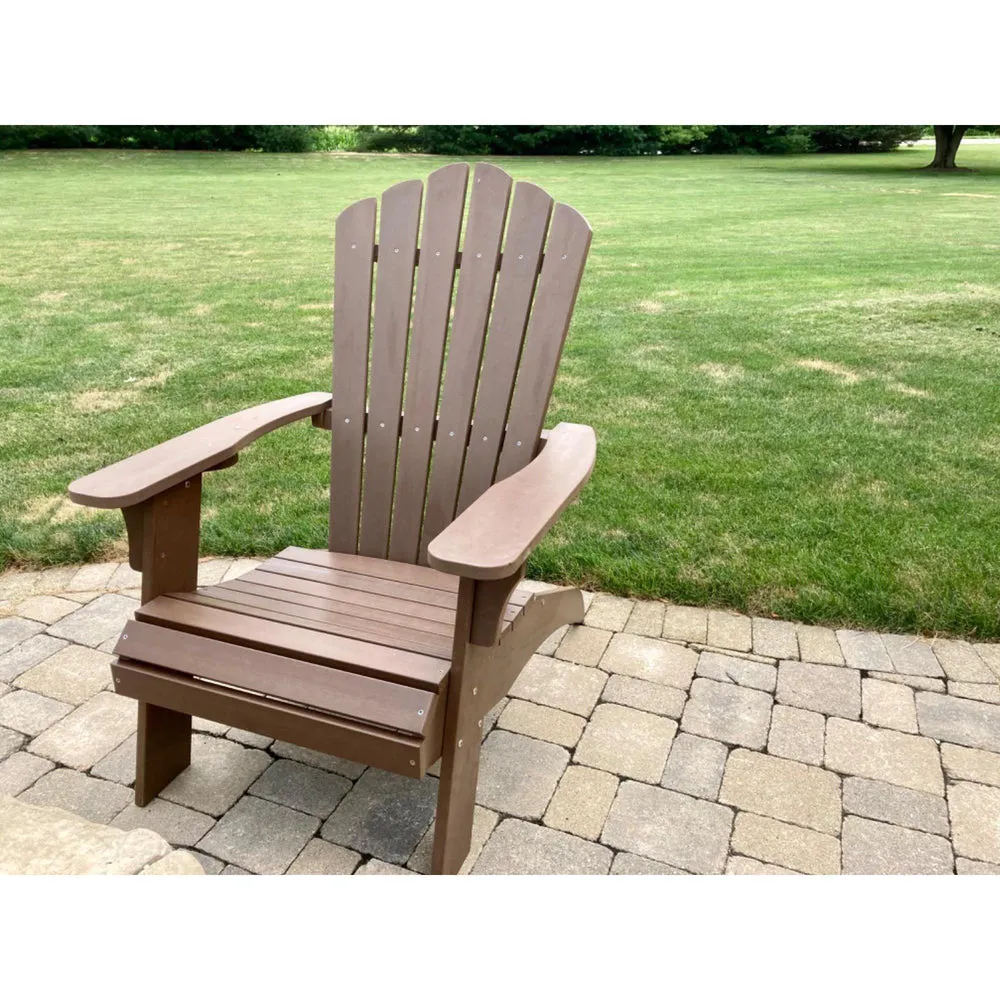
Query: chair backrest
column 433, row 402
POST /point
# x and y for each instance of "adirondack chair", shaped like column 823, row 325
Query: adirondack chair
column 390, row 646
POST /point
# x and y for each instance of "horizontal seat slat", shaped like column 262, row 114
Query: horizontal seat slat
column 357, row 656
column 328, row 689
column 383, row 569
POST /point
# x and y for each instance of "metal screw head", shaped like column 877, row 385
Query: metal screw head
column 437, row 253
column 519, row 444
column 354, row 246
column 381, row 425
column 347, row 420
column 395, row 249
column 187, row 484
column 564, row 256
column 451, row 434
column 459, row 742
column 520, row 256
column 475, row 691
column 484, row 437
column 480, row 723
column 420, row 711
column 124, row 635
column 413, row 763
column 478, row 255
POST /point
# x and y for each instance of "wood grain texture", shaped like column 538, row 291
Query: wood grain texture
column 444, row 205
column 398, row 225
column 352, row 303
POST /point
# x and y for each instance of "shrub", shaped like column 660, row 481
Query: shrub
column 267, row 138
column 862, row 138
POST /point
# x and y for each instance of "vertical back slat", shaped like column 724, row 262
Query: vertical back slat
column 444, row 204
column 529, row 220
column 480, row 251
column 352, row 300
column 398, row 223
column 558, row 283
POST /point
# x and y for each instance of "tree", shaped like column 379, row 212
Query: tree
column 947, row 139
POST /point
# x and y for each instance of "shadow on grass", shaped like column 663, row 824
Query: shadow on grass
column 859, row 164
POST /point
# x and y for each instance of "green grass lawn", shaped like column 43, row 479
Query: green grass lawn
column 792, row 365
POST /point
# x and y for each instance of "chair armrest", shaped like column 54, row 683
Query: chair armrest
column 157, row 469
column 495, row 535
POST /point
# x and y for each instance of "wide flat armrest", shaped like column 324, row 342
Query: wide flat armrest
column 157, row 469
column 496, row 534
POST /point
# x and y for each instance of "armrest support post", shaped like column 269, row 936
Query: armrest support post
column 171, row 524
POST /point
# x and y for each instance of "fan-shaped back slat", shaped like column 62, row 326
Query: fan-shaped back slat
column 352, row 304
column 444, row 202
column 558, row 283
column 398, row 224
column 476, row 277
column 529, row 220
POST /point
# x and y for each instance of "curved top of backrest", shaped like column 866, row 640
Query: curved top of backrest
column 441, row 388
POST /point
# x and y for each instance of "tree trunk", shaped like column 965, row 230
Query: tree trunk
column 947, row 139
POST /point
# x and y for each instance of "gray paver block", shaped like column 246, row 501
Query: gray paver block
column 819, row 687
column 210, row 865
column 910, row 680
column 864, row 650
column 211, row 571
column 650, row 660
column 608, row 612
column 583, row 644
column 872, row 848
column 557, row 684
column 239, row 567
column 376, row 867
column 301, row 787
column 890, row 706
column 89, row 732
column 789, row 846
column 517, row 775
column 695, row 766
column 819, row 645
column 181, row 826
column 975, row 821
column 966, row 764
column 46, row 608
column 100, row 620
column 961, row 662
column 670, row 827
column 326, row 762
column 727, row 713
column 551, row 644
column 632, row 864
column 884, row 755
column 977, row 692
column 72, row 675
column 519, row 848
column 646, row 618
column 627, row 742
column 963, row 866
column 910, row 654
column 796, row 734
column 259, row 836
column 320, row 857
column 20, row 771
column 685, row 624
column 119, row 765
column 733, row 670
column 10, row 742
column 729, row 630
column 581, row 802
column 542, row 723
column 739, row 865
column 30, row 713
column 249, row 739
column 93, row 799
column 645, row 696
column 384, row 815
column 219, row 773
column 775, row 638
column 483, row 822
column 93, row 576
column 26, row 654
column 899, row 806
column 15, row 630
column 956, row 720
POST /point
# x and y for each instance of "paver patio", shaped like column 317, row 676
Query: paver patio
column 651, row 739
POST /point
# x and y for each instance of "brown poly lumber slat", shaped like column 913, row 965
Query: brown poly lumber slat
column 421, row 576
column 234, row 588
column 526, row 504
column 444, row 204
column 345, row 595
column 364, row 699
column 390, row 636
column 399, row 220
column 529, row 220
column 368, row 584
column 379, row 747
column 558, row 283
column 396, row 665
column 157, row 469
column 487, row 212
column 352, row 303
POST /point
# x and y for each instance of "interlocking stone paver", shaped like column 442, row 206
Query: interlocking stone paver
column 491, row 718
column 175, row 863
column 10, row 742
column 123, row 578
column 14, row 630
column 73, row 675
column 239, row 567
column 320, row 857
column 30, row 713
column 796, row 734
column 733, row 670
column 119, row 765
column 93, row 799
column 93, row 576
column 966, row 764
column 182, row 827
column 975, row 821
column 819, row 645
column 89, row 732
column 517, row 775
column 608, row 612
column 211, row 866
column 483, row 822
column 581, row 802
column 888, row 705
column 728, row 630
column 385, row 814
column 911, row 654
column 670, row 827
column 989, row 653
column 961, row 662
column 632, row 864
column 14, row 585
column 234, row 870
column 26, row 654
column 219, row 773
column 819, row 687
column 54, row 579
column 644, row 695
column 910, row 680
column 956, row 720
column 965, row 867
column 20, row 771
column 695, row 766
column 775, row 638
column 864, row 650
column 560, row 685
column 977, row 692
column 376, row 867
column 701, row 647
column 899, row 806
column 793, row 847
column 884, row 755
column 211, row 571
column 46, row 608
column 646, row 618
column 685, row 624
column 728, row 713
column 650, row 660
column 551, row 644
column 92, row 624
column 782, row 789
column 871, row 848
column 542, row 723
column 627, row 742
column 583, row 644
column 259, row 836
column 301, row 787
column 208, row 726
column 519, row 848
column 249, row 739
column 739, row 865
column 327, row 762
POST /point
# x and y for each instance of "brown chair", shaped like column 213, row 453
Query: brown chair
column 390, row 646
